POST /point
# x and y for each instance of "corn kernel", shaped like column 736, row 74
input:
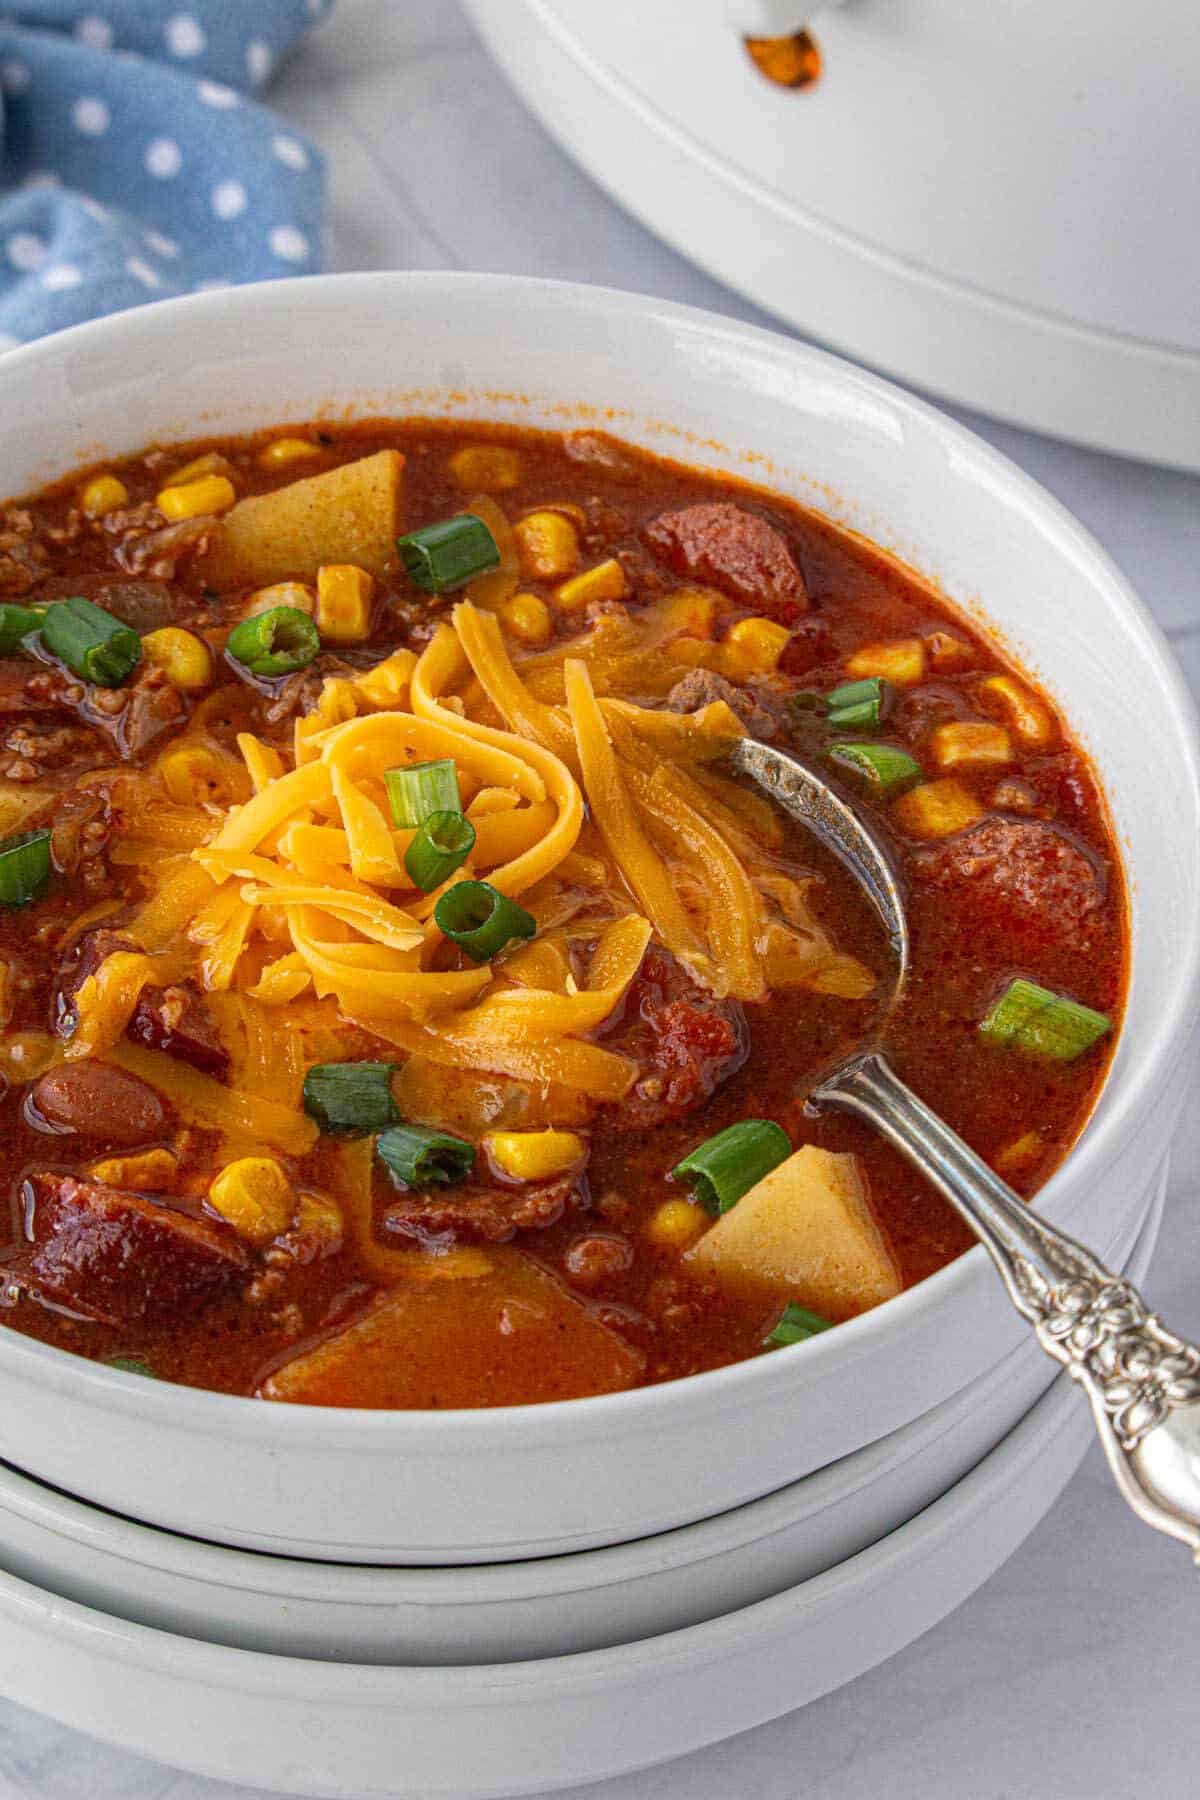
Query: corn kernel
column 527, row 618
column 283, row 593
column 937, row 809
column 255, row 1197
column 676, row 1224
column 605, row 582
column 344, row 596
column 534, row 1155
column 195, row 499
column 486, row 469
column 754, row 647
column 1030, row 722
column 198, row 775
column 547, row 546
column 149, row 1171
column 286, row 451
column 1020, row 1154
column 969, row 744
column 900, row 661
column 211, row 463
column 103, row 494
column 389, row 681
column 947, row 652
column 184, row 658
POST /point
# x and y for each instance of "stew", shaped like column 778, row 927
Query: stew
column 403, row 1004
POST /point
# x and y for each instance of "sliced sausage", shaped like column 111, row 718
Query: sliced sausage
column 120, row 1258
column 1033, row 873
column 104, row 1104
column 700, row 687
column 177, row 1021
column 483, row 1215
column 684, row 1040
column 734, row 550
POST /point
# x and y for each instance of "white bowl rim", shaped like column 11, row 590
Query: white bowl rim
column 369, row 1686
column 487, row 1584
column 500, row 1428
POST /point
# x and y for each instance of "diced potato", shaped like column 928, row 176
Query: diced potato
column 937, row 809
column 806, row 1229
column 1030, row 722
column 507, row 1335
column 900, row 661
column 351, row 514
column 970, row 744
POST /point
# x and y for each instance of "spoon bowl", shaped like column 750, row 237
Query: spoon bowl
column 1143, row 1382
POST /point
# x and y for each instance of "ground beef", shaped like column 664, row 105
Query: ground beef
column 700, row 687
column 487, row 1215
column 33, row 747
column 1034, row 873
column 158, row 553
column 734, row 550
column 684, row 1040
column 143, row 605
column 121, row 1258
column 177, row 1021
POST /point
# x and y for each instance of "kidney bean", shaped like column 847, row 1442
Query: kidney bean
column 99, row 1102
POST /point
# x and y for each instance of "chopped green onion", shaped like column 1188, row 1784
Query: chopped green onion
column 728, row 1165
column 277, row 642
column 94, row 645
column 131, row 1365
column 480, row 919
column 418, row 1157
column 797, row 1324
column 859, row 705
column 807, row 700
column 24, row 867
column 443, row 843
column 449, row 554
column 351, row 1098
column 1042, row 1023
column 16, row 622
column 887, row 769
column 422, row 788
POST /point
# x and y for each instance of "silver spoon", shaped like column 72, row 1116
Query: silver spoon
column 1142, row 1381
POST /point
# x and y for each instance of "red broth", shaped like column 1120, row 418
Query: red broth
column 496, row 1290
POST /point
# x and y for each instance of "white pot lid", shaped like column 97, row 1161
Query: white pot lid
column 998, row 203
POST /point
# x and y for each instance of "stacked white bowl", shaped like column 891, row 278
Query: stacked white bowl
column 341, row 1585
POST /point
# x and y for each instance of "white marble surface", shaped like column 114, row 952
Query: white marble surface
column 1072, row 1674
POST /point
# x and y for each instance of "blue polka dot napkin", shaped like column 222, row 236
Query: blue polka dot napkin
column 136, row 165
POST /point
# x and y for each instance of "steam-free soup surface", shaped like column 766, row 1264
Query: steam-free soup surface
column 227, row 900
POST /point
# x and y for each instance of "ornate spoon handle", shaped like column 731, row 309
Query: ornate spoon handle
column 1142, row 1381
